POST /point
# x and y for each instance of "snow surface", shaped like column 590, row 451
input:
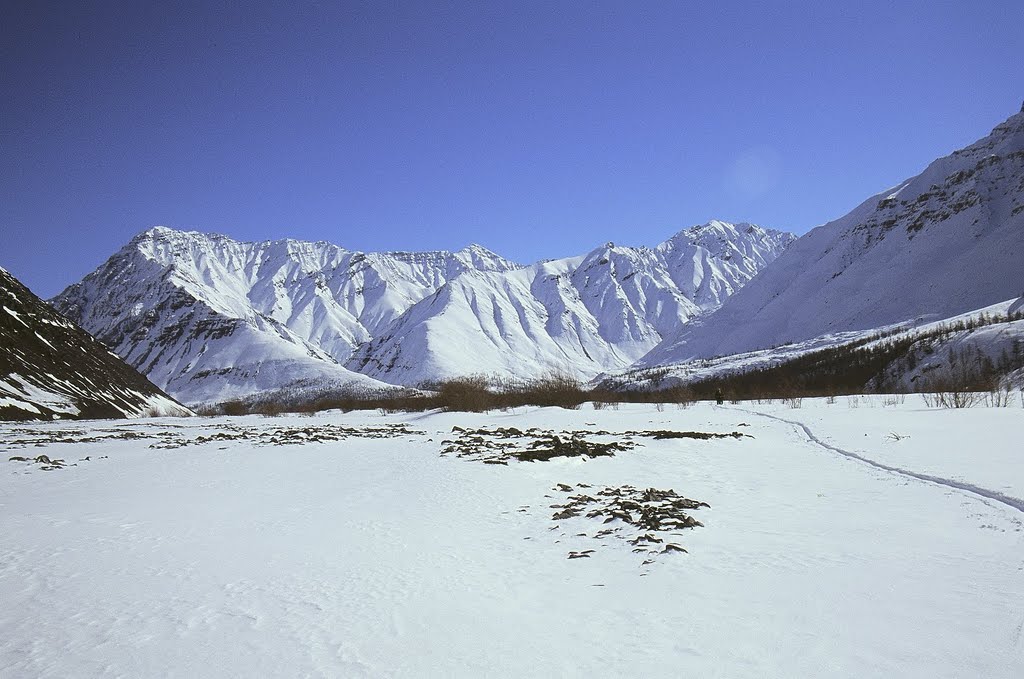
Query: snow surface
column 381, row 558
column 16, row 316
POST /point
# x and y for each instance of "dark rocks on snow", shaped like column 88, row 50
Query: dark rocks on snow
column 646, row 517
column 505, row 444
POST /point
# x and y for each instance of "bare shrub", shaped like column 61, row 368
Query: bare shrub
column 957, row 388
column 268, row 408
column 207, row 410
column 556, row 389
column 952, row 399
column 960, row 399
column 999, row 397
column 234, row 408
column 466, row 394
column 678, row 394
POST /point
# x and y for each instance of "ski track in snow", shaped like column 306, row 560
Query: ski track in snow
column 1009, row 501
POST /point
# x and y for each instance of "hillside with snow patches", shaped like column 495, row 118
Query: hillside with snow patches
column 928, row 353
column 942, row 243
column 52, row 369
column 209, row 318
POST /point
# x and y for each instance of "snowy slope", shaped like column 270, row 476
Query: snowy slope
column 209, row 318
column 381, row 558
column 993, row 334
column 944, row 242
column 576, row 316
column 51, row 368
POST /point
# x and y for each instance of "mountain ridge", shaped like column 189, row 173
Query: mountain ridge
column 171, row 301
column 578, row 316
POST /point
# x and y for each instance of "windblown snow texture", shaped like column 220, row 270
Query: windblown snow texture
column 944, row 242
column 209, row 318
column 49, row 367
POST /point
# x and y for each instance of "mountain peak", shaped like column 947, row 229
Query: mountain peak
column 476, row 247
column 477, row 250
column 719, row 237
column 714, row 228
column 162, row 232
column 478, row 257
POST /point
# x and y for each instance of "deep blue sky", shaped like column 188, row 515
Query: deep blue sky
column 538, row 129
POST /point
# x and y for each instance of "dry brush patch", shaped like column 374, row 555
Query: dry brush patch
column 646, row 519
column 650, row 521
column 169, row 436
column 47, row 464
column 278, row 436
column 506, row 444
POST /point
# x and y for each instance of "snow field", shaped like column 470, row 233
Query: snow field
column 380, row 558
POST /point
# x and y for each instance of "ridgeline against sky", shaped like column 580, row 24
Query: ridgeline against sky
column 533, row 128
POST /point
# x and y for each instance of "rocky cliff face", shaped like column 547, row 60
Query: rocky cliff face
column 50, row 368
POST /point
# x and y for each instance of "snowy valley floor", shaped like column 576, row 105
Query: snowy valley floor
column 364, row 551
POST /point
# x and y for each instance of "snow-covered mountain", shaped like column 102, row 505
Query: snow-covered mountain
column 209, row 318
column 51, row 368
column 576, row 316
column 944, row 242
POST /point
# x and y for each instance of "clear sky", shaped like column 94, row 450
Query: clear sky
column 537, row 129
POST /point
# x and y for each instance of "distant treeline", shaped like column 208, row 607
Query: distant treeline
column 881, row 363
column 468, row 394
